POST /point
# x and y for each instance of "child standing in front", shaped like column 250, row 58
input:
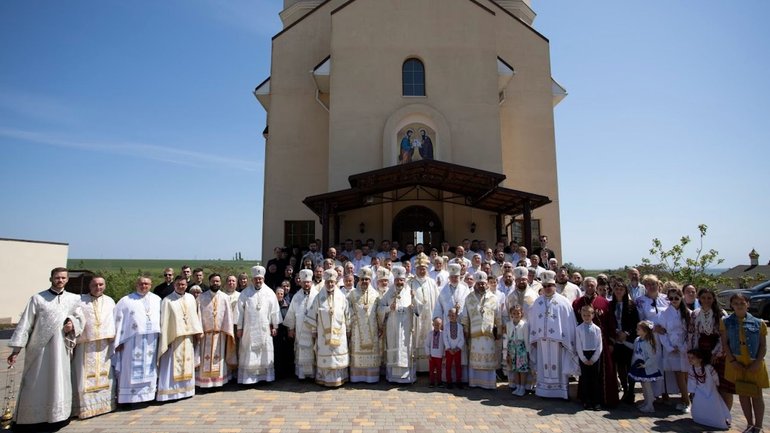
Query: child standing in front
column 434, row 347
column 644, row 364
column 708, row 408
column 454, row 340
column 588, row 339
column 516, row 344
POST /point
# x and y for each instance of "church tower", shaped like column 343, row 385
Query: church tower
column 410, row 120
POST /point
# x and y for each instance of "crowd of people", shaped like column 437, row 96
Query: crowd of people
column 467, row 316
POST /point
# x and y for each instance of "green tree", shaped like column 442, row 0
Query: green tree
column 675, row 264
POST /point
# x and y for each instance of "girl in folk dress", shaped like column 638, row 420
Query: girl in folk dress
column 705, row 336
column 644, row 366
column 708, row 408
column 517, row 357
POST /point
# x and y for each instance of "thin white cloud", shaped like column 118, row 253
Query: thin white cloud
column 36, row 106
column 139, row 150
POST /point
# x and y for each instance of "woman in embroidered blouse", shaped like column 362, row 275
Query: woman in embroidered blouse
column 743, row 337
column 704, row 335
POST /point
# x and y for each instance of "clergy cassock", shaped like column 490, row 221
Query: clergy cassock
column 426, row 292
column 329, row 318
column 217, row 347
column 304, row 346
column 258, row 314
column 453, row 296
column 45, row 395
column 481, row 320
column 365, row 350
column 93, row 386
column 397, row 314
column 137, row 327
column 179, row 324
column 603, row 318
column 552, row 337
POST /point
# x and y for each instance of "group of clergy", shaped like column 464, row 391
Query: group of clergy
column 85, row 353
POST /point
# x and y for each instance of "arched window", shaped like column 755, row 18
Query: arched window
column 413, row 78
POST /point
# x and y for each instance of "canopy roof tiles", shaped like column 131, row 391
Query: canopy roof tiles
column 461, row 185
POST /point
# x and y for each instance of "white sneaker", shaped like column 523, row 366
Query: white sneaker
column 521, row 392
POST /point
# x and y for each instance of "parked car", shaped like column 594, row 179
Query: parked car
column 759, row 299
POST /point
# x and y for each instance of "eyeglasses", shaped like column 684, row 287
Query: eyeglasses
column 168, row 275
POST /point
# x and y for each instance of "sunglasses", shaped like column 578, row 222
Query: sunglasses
column 168, row 275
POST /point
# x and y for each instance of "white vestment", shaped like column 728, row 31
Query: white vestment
column 258, row 314
column 137, row 327
column 480, row 318
column 365, row 346
column 398, row 325
column 552, row 337
column 426, row 292
column 45, row 395
column 329, row 319
column 451, row 297
column 569, row 290
column 93, row 385
column 304, row 346
column 217, row 347
column 180, row 323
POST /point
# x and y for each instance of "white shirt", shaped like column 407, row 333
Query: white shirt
column 435, row 348
column 588, row 336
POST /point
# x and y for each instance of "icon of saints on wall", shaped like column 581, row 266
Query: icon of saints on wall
column 415, row 146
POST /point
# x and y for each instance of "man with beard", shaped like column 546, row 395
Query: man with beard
column 258, row 320
column 635, row 288
column 396, row 313
column 217, row 347
column 602, row 319
column 426, row 292
column 304, row 359
column 328, row 319
column 179, row 323
column 481, row 322
column 505, row 284
column 365, row 350
column 564, row 287
column 552, row 339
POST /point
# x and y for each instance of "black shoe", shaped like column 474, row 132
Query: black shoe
column 597, row 407
column 460, row 386
column 449, row 386
column 628, row 398
column 431, row 385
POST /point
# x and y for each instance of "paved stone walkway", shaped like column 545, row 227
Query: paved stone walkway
column 289, row 406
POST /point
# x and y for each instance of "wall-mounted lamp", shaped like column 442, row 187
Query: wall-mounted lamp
column 362, row 227
column 473, row 227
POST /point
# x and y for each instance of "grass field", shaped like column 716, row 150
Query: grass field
column 154, row 267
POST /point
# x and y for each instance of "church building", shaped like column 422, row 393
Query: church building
column 410, row 120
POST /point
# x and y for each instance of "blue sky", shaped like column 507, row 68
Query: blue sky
column 128, row 129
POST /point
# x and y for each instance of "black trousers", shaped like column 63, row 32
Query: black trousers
column 590, row 381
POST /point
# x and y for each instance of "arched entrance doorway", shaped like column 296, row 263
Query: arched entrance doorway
column 418, row 224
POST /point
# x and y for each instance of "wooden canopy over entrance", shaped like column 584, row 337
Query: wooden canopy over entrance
column 431, row 180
